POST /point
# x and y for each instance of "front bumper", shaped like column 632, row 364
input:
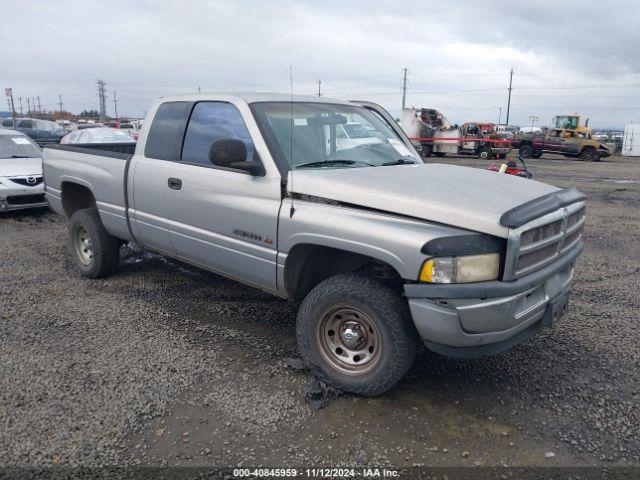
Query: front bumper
column 500, row 150
column 472, row 320
column 17, row 197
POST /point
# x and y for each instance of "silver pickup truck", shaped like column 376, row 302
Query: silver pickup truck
column 382, row 250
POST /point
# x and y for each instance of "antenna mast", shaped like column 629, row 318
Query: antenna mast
column 291, row 209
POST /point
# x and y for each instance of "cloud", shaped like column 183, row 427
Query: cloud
column 567, row 56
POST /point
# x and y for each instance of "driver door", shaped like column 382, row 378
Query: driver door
column 220, row 218
column 553, row 141
column 469, row 136
column 570, row 143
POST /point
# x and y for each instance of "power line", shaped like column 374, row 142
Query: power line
column 404, row 87
column 509, row 99
column 9, row 94
column 102, row 99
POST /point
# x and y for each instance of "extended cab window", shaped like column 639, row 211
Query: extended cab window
column 211, row 121
column 165, row 134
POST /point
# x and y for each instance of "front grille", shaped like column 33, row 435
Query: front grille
column 536, row 234
column 571, row 239
column 543, row 240
column 27, row 181
column 575, row 217
column 25, row 199
column 529, row 259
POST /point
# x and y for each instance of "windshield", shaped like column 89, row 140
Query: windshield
column 569, row 122
column 16, row 146
column 319, row 138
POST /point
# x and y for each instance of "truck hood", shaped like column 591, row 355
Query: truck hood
column 13, row 167
column 464, row 197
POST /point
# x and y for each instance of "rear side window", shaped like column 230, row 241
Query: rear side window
column 165, row 135
column 26, row 124
column 211, row 121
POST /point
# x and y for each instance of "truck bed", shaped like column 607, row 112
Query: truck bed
column 101, row 168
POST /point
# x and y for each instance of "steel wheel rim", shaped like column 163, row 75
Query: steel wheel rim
column 349, row 340
column 84, row 246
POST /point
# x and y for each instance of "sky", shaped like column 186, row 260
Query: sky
column 567, row 56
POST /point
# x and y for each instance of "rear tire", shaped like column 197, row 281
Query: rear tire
column 526, row 151
column 356, row 334
column 92, row 249
column 427, row 150
column 589, row 154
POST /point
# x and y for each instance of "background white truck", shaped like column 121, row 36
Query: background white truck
column 438, row 137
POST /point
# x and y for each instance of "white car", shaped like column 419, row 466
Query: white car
column 530, row 130
column 20, row 172
column 352, row 134
column 97, row 135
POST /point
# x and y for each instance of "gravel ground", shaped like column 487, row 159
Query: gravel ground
column 164, row 364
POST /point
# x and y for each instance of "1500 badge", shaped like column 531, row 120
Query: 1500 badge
column 252, row 236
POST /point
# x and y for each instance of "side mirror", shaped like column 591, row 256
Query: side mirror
column 232, row 153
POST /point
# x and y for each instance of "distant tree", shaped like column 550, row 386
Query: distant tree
column 89, row 113
column 57, row 115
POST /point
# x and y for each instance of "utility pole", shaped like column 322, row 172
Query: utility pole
column 115, row 105
column 39, row 106
column 500, row 116
column 28, row 107
column 199, row 91
column 21, row 111
column 102, row 100
column 319, row 85
column 509, row 99
column 60, row 104
column 404, row 87
column 33, row 104
column 9, row 93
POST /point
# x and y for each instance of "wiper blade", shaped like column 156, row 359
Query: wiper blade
column 332, row 162
column 400, row 161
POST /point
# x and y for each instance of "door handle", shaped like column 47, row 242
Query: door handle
column 174, row 183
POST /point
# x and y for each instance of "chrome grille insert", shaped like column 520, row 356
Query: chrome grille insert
column 541, row 241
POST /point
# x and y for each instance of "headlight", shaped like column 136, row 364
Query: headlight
column 463, row 269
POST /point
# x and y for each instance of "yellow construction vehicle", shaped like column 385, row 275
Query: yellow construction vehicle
column 572, row 122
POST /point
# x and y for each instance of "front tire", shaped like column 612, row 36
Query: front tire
column 356, row 334
column 590, row 155
column 485, row 153
column 92, row 249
